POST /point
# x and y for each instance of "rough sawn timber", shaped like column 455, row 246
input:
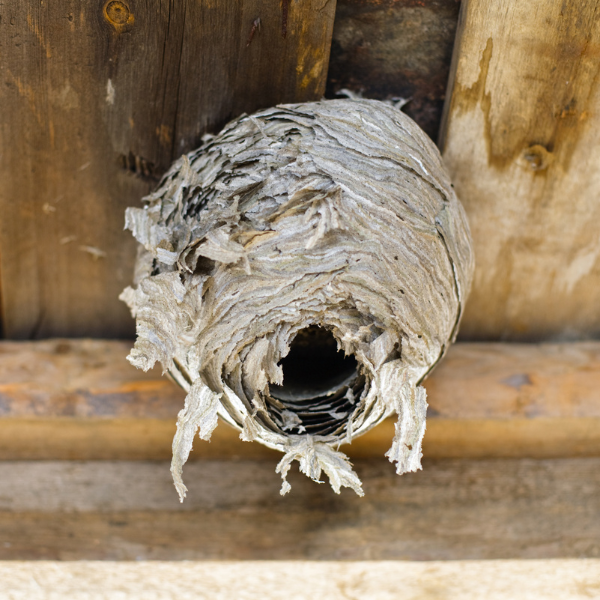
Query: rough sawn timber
column 452, row 510
column 97, row 100
column 522, row 143
column 80, row 399
column 302, row 580
column 395, row 48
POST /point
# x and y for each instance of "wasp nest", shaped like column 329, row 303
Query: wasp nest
column 299, row 275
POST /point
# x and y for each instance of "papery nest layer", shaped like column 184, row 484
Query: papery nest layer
column 333, row 216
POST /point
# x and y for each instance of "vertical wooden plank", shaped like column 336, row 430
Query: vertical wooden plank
column 97, row 98
column 522, row 141
column 395, row 48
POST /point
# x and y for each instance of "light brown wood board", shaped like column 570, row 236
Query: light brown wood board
column 97, row 98
column 521, row 139
column 81, row 399
column 451, row 510
column 558, row 579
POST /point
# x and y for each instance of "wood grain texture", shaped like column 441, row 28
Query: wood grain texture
column 395, row 48
column 522, row 142
column 300, row 580
column 80, row 399
column 97, row 100
column 452, row 510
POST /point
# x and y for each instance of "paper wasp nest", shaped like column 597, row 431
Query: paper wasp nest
column 295, row 232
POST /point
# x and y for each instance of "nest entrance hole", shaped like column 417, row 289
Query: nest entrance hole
column 320, row 384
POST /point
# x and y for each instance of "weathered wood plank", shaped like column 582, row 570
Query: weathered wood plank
column 80, row 399
column 522, row 142
column 452, row 510
column 93, row 93
column 395, row 48
column 467, row 580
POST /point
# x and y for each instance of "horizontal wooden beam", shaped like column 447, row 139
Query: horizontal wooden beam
column 468, row 580
column 80, row 399
column 453, row 509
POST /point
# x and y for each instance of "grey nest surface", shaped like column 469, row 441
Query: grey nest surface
column 299, row 275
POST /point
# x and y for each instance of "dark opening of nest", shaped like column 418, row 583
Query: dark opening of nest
column 320, row 384
column 314, row 366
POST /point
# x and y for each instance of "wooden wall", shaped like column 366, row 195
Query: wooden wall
column 98, row 98
column 395, row 48
column 522, row 142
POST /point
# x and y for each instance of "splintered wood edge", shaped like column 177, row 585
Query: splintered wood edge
column 80, row 399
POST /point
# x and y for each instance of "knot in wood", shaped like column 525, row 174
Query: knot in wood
column 536, row 157
column 117, row 13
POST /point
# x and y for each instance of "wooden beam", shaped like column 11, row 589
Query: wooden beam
column 395, row 49
column 467, row 580
column 80, row 399
column 522, row 142
column 98, row 98
column 451, row 510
